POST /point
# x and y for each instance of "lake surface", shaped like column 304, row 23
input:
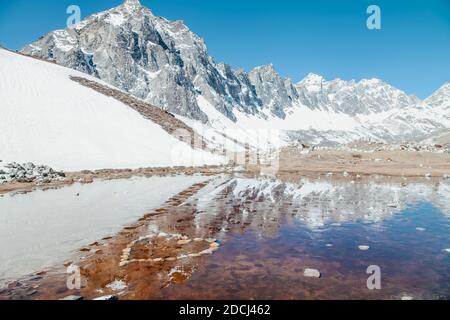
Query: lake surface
column 42, row 228
column 269, row 232
column 286, row 228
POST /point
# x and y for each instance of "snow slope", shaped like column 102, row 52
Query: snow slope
column 49, row 119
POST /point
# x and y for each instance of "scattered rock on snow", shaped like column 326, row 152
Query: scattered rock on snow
column 28, row 172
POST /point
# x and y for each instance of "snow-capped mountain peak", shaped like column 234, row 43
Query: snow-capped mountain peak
column 372, row 82
column 440, row 98
column 132, row 5
column 312, row 82
column 364, row 97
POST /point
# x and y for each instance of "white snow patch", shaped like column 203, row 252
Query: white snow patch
column 116, row 18
column 49, row 119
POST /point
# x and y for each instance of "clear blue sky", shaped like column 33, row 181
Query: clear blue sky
column 328, row 37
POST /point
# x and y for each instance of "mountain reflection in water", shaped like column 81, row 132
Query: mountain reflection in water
column 265, row 233
column 272, row 230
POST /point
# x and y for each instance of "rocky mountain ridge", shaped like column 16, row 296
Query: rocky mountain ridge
column 167, row 65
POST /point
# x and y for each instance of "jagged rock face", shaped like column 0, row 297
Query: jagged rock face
column 238, row 86
column 277, row 94
column 123, row 47
column 159, row 61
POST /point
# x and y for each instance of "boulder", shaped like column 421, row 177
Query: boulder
column 312, row 273
column 28, row 172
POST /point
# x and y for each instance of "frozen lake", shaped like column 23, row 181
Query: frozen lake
column 42, row 228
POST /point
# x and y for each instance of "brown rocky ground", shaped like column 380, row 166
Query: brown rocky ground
column 343, row 163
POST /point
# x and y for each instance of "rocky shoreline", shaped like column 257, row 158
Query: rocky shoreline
column 293, row 163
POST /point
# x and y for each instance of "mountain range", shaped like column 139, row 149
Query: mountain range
column 165, row 64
